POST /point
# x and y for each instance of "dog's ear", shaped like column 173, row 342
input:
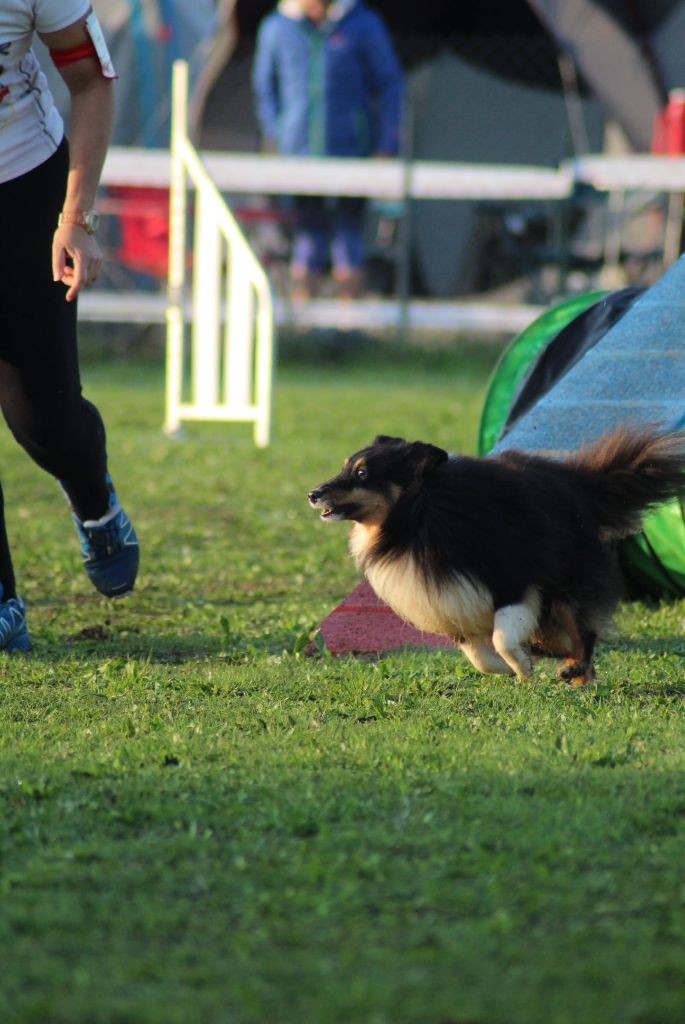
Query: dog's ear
column 426, row 457
column 386, row 439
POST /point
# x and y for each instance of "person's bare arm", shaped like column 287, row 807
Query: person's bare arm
column 92, row 114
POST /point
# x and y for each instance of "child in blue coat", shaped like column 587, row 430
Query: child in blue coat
column 327, row 83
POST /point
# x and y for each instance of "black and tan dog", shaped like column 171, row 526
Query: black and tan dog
column 512, row 556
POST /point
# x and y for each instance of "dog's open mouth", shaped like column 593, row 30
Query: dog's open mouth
column 333, row 511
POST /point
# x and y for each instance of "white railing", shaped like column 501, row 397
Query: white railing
column 425, row 179
column 254, row 174
column 225, row 371
column 261, row 174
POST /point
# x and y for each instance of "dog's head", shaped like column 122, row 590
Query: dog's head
column 374, row 479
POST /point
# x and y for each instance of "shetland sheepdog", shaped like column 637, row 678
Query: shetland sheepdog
column 513, row 555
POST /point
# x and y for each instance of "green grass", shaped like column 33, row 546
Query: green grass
column 201, row 824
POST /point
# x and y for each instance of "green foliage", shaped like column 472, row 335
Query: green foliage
column 204, row 819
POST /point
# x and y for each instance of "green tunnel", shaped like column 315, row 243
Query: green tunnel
column 653, row 561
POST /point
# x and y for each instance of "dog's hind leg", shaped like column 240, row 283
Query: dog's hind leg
column 579, row 671
column 484, row 657
column 514, row 625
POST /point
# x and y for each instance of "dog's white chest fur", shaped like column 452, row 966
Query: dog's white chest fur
column 456, row 609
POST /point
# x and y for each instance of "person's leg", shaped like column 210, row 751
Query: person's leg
column 347, row 245
column 309, row 248
column 40, row 387
column 7, row 580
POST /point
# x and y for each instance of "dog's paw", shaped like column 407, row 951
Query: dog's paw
column 574, row 672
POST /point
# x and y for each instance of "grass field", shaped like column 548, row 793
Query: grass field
column 202, row 824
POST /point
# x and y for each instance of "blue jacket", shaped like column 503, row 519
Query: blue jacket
column 329, row 90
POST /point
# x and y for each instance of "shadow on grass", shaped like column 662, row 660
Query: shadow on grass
column 351, row 888
column 648, row 645
column 438, row 354
column 101, row 641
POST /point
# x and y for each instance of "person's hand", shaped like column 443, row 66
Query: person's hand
column 76, row 258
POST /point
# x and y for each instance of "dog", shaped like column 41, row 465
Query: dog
column 512, row 556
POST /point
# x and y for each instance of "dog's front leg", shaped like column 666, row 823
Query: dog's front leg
column 513, row 627
column 484, row 657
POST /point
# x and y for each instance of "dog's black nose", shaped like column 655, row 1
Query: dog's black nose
column 314, row 496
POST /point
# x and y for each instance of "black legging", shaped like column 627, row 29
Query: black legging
column 40, row 387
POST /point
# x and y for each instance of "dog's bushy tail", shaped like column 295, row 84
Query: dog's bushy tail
column 627, row 472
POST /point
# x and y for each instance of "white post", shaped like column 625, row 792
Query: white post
column 239, row 332
column 263, row 398
column 177, row 243
column 206, row 304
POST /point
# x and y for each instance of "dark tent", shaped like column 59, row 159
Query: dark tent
column 504, row 81
column 630, row 52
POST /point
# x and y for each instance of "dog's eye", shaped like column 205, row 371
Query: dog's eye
column 361, row 473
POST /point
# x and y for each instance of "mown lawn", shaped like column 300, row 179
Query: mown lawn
column 201, row 824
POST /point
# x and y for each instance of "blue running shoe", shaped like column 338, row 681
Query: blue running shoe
column 109, row 548
column 14, row 635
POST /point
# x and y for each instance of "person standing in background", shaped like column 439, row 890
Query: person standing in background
column 50, row 252
column 327, row 82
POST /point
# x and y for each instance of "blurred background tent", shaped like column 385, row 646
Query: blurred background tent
column 501, row 81
column 630, row 52
column 144, row 38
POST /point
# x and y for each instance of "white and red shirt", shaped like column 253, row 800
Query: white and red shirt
column 31, row 128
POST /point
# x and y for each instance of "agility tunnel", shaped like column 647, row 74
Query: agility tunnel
column 589, row 363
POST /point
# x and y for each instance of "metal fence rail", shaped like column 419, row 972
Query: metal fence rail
column 388, row 179
column 336, row 176
column 258, row 175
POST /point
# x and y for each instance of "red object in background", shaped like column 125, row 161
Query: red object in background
column 363, row 624
column 143, row 215
column 144, row 224
column 668, row 137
